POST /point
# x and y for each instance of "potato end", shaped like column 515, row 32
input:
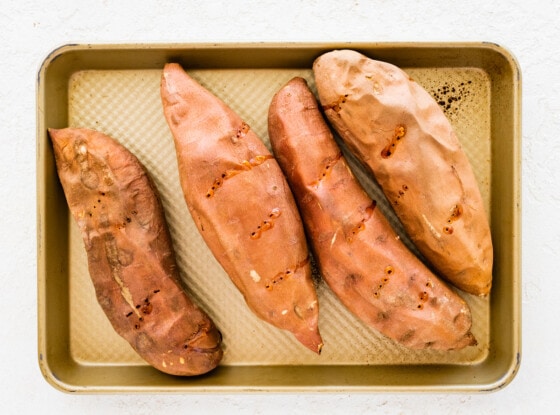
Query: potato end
column 311, row 340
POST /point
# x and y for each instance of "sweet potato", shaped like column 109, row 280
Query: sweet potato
column 400, row 133
column 130, row 255
column 242, row 206
column 358, row 253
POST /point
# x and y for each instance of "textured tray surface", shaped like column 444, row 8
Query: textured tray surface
column 126, row 104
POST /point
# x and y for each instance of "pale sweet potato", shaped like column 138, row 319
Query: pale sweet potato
column 130, row 255
column 358, row 253
column 400, row 133
column 242, row 206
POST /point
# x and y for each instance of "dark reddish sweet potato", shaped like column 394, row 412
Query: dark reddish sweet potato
column 242, row 206
column 399, row 131
column 130, row 256
column 359, row 255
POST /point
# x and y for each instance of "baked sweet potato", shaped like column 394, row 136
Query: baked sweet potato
column 358, row 253
column 400, row 133
column 130, row 255
column 242, row 206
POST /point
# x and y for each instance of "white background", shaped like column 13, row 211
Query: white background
column 30, row 29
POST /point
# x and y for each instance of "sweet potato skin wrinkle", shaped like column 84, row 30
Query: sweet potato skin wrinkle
column 359, row 255
column 242, row 206
column 130, row 254
column 400, row 133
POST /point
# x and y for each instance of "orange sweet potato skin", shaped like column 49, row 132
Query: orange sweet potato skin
column 399, row 132
column 130, row 256
column 359, row 255
column 242, row 206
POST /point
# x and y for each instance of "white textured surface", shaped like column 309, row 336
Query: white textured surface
column 31, row 29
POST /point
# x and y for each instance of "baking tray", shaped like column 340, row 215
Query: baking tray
column 115, row 89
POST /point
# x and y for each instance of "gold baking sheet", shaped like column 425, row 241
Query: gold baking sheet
column 115, row 89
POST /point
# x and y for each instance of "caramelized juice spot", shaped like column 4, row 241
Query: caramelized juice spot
column 456, row 213
column 266, row 224
column 327, row 169
column 390, row 149
column 361, row 226
column 336, row 106
column 285, row 274
column 244, row 165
